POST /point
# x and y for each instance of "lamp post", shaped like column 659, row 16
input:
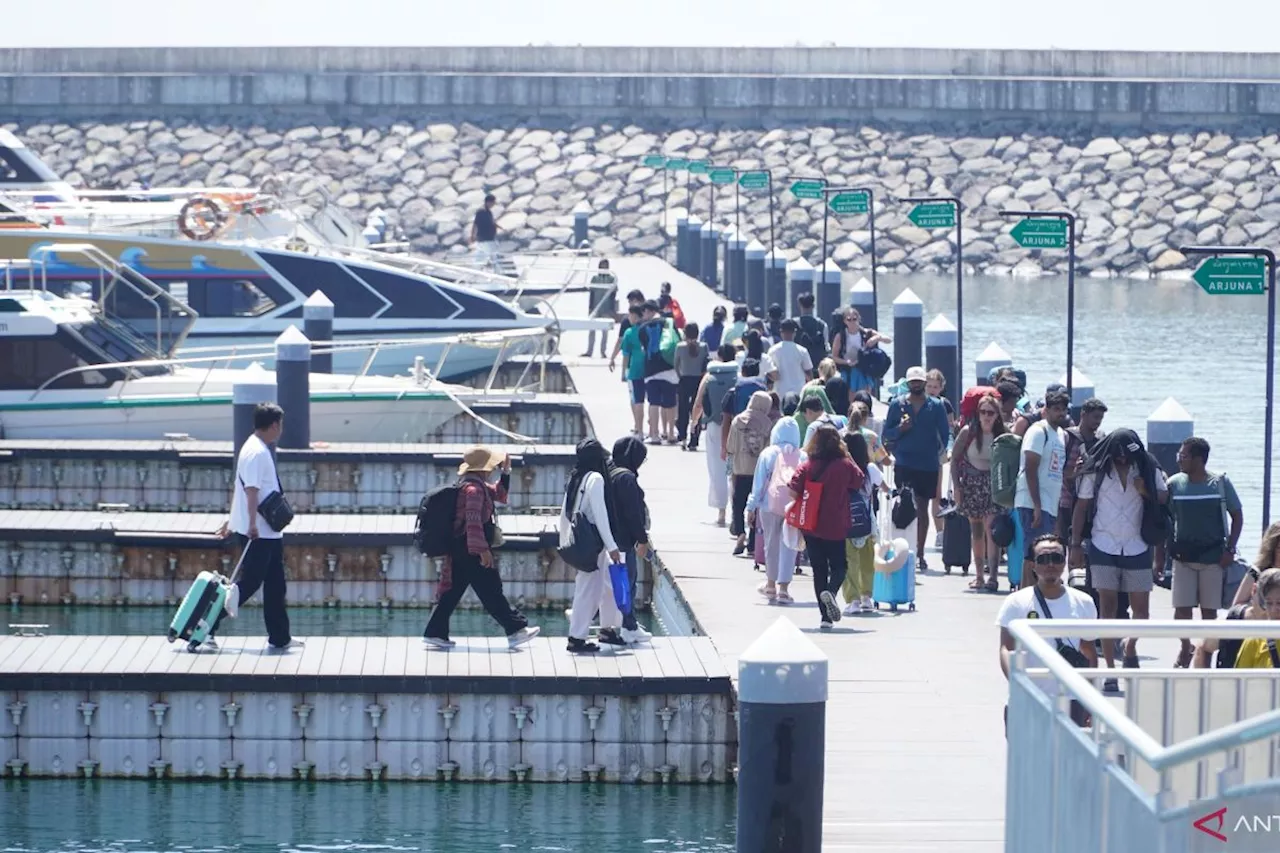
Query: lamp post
column 1052, row 229
column 1246, row 270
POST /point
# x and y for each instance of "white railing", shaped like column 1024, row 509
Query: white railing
column 1131, row 780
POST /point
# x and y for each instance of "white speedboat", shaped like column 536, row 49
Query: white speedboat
column 71, row 369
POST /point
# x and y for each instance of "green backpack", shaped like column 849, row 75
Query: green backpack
column 1006, row 453
column 670, row 340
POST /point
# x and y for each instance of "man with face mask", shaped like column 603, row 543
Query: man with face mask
column 916, row 431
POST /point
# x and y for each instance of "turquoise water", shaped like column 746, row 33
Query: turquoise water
column 304, row 621
column 76, row 816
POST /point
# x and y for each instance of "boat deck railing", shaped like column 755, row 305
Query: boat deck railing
column 1137, row 777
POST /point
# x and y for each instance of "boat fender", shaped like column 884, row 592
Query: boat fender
column 201, row 218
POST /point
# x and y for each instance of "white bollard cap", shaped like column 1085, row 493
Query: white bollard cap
column 1169, row 423
column 908, row 304
column 831, row 271
column 800, row 268
column 318, row 307
column 755, row 250
column 1081, row 386
column 940, row 333
column 782, row 667
column 293, row 345
column 255, row 385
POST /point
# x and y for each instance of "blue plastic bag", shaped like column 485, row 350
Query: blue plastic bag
column 620, row 580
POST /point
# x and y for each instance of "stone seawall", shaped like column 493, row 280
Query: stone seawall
column 1137, row 196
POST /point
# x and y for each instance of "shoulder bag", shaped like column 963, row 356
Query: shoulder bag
column 1070, row 654
column 585, row 543
column 802, row 513
column 274, row 508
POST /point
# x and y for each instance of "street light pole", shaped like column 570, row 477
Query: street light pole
column 1270, row 258
column 955, row 203
column 1070, row 218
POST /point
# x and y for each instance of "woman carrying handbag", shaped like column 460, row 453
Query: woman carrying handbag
column 822, row 486
column 587, row 544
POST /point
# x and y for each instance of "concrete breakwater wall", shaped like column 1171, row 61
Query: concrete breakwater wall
column 1136, row 195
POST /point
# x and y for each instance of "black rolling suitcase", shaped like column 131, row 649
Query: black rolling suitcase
column 957, row 546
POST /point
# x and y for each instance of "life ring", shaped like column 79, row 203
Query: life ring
column 201, row 218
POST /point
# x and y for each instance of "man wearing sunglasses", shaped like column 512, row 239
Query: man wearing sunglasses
column 1049, row 598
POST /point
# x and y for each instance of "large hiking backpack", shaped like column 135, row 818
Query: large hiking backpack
column 1006, row 457
column 720, row 379
column 669, row 341
column 969, row 402
column 433, row 532
column 660, row 338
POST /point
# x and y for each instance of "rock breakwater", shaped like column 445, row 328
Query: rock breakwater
column 1137, row 197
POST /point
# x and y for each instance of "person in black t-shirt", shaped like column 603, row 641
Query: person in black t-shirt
column 484, row 230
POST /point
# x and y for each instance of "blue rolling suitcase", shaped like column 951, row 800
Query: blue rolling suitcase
column 211, row 593
column 897, row 587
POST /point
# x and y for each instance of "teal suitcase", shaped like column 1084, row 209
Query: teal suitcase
column 211, row 593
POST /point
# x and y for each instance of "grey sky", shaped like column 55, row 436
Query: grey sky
column 1232, row 25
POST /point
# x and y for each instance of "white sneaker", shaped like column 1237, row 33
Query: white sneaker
column 438, row 643
column 524, row 635
column 639, row 635
column 292, row 644
column 867, row 604
column 211, row 644
column 852, row 609
column 826, row 625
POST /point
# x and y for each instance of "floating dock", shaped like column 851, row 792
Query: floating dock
column 365, row 708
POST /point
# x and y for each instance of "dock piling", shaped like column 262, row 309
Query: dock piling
column 782, row 709
column 1081, row 389
column 753, row 276
column 863, row 298
column 293, row 387
column 254, row 386
column 992, row 357
column 830, row 277
column 1167, row 427
column 800, row 275
column 940, row 351
column 908, row 332
column 775, row 283
column 317, row 325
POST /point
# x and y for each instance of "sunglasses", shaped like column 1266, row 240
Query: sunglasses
column 987, row 413
column 1050, row 559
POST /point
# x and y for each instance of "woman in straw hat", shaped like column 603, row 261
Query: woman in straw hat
column 471, row 563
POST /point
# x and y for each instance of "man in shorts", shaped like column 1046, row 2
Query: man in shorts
column 1202, row 546
column 917, row 431
column 661, row 383
column 1040, row 473
column 633, row 366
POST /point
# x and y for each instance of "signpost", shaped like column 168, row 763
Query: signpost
column 853, row 200
column 945, row 212
column 1246, row 270
column 699, row 167
column 1040, row 233
column 759, row 179
column 1232, row 276
column 808, row 188
column 655, row 161
column 720, row 175
column 1052, row 229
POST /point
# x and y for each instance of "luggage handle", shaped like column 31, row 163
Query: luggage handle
column 235, row 573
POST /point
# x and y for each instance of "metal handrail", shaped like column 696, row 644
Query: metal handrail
column 1030, row 636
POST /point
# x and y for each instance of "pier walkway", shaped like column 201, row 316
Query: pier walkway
column 915, row 740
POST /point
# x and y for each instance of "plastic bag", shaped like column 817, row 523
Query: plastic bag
column 620, row 580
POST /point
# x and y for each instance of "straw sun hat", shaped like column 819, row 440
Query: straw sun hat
column 480, row 460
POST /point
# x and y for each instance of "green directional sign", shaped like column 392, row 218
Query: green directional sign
column 807, row 189
column 1041, row 233
column 677, row 164
column 849, row 203
column 753, row 180
column 722, row 176
column 1238, row 276
column 933, row 215
column 655, row 161
column 698, row 167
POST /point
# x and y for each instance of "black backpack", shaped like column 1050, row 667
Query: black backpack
column 811, row 337
column 433, row 532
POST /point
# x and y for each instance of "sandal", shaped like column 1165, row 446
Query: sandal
column 784, row 598
column 1184, row 660
column 764, row 590
column 977, row 584
column 993, row 585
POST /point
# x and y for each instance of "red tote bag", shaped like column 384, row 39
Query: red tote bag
column 802, row 513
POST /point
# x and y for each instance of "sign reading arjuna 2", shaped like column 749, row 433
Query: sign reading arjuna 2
column 933, row 214
column 1243, row 276
column 807, row 189
column 754, row 180
column 722, row 176
column 1041, row 233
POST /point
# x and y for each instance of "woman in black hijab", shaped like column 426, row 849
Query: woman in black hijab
column 587, row 492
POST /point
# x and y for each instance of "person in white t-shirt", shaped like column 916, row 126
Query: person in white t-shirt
column 1049, row 598
column 263, row 562
column 792, row 365
column 1043, row 458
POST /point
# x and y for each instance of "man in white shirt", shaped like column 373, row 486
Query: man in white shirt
column 1044, row 456
column 1120, row 479
column 792, row 364
column 1048, row 598
column 263, row 562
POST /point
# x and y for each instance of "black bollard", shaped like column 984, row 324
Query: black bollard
column 782, row 712
column 940, row 345
column 1167, row 427
column 735, row 261
column 992, row 357
column 710, row 254
column 254, row 386
column 863, row 297
column 695, row 247
column 682, row 244
column 775, row 282
column 827, row 297
column 908, row 332
column 580, row 218
column 753, row 274
column 317, row 325
column 800, row 275
column 1081, row 389
column 293, row 379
